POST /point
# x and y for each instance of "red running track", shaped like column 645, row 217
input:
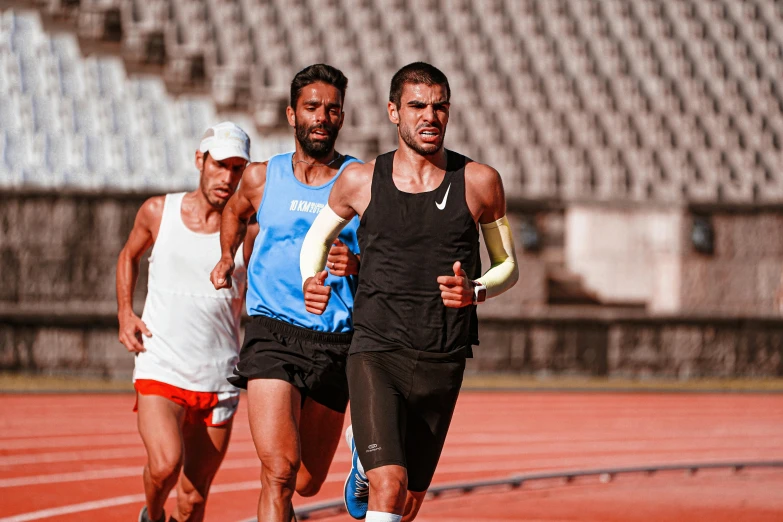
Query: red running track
column 79, row 458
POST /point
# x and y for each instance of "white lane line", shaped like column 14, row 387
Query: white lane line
column 608, row 448
column 75, row 441
column 69, row 456
column 119, row 501
column 532, row 452
column 226, row 488
column 79, row 476
column 134, row 449
column 64, row 433
column 132, row 499
column 522, row 461
column 76, row 476
column 451, row 450
column 71, row 442
column 75, row 508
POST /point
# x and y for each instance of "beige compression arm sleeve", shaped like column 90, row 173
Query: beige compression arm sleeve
column 318, row 241
column 504, row 271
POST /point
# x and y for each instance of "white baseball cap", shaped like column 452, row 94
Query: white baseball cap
column 226, row 140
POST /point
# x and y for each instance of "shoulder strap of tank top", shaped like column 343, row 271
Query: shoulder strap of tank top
column 385, row 162
column 275, row 171
column 455, row 170
column 382, row 173
column 278, row 166
column 456, row 161
column 171, row 216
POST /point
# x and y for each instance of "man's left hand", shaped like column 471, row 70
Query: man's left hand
column 456, row 290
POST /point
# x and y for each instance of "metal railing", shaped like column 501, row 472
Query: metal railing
column 516, row 481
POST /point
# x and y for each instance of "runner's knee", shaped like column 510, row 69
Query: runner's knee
column 389, row 483
column 279, row 471
column 164, row 469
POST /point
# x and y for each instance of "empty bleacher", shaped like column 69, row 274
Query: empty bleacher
column 643, row 100
column 69, row 121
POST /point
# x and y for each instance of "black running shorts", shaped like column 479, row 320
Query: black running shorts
column 312, row 361
column 401, row 406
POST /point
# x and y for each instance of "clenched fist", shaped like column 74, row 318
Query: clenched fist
column 456, row 290
column 221, row 274
column 316, row 295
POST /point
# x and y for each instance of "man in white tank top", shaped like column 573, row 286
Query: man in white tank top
column 187, row 341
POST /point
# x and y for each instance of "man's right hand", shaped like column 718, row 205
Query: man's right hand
column 316, row 295
column 131, row 329
column 221, row 274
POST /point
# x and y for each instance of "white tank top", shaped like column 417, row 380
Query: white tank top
column 195, row 328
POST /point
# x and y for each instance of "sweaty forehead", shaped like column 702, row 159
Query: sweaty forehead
column 421, row 92
column 321, row 93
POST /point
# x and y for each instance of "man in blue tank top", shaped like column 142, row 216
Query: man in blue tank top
column 292, row 362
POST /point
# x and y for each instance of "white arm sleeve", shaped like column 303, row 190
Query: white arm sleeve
column 318, row 241
column 504, row 272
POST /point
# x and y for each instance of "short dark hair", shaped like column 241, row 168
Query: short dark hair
column 417, row 72
column 319, row 72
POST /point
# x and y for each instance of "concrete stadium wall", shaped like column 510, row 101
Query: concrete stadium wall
column 85, row 348
column 744, row 272
column 644, row 255
column 57, row 301
column 58, row 252
column 632, row 347
column 576, row 345
column 628, row 255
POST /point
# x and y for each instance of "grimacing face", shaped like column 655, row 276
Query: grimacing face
column 422, row 117
column 219, row 178
column 317, row 118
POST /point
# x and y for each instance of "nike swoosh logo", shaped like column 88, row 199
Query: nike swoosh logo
column 442, row 204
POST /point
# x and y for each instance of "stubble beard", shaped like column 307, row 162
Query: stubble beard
column 409, row 137
column 214, row 203
column 316, row 149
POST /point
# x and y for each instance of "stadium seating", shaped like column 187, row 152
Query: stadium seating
column 645, row 100
column 69, row 121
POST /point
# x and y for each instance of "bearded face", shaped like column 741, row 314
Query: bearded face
column 317, row 119
column 318, row 139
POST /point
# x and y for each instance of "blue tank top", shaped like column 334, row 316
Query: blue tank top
column 288, row 209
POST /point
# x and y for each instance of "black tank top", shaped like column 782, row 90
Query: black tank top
column 407, row 241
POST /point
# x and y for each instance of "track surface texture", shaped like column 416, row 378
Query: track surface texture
column 78, row 457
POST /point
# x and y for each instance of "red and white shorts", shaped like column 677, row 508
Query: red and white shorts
column 210, row 408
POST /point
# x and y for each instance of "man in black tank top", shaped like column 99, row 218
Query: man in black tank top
column 414, row 313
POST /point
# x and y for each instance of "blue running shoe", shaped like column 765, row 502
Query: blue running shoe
column 357, row 488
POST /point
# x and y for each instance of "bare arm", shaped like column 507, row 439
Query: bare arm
column 484, row 192
column 141, row 238
column 351, row 192
column 233, row 221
